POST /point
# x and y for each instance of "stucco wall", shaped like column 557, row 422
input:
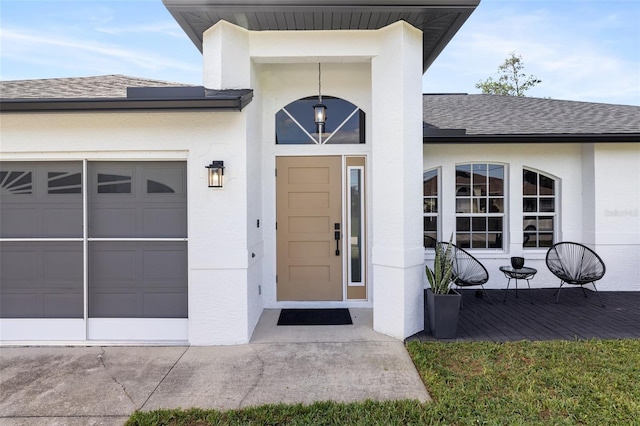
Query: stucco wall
column 616, row 213
column 599, row 187
column 217, row 218
column 380, row 72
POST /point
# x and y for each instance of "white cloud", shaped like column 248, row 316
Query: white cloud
column 82, row 56
column 164, row 28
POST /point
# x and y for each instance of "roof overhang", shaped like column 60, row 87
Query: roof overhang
column 534, row 138
column 439, row 20
column 223, row 100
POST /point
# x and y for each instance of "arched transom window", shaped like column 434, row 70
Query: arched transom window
column 295, row 124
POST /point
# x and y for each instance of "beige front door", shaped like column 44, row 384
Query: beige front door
column 309, row 219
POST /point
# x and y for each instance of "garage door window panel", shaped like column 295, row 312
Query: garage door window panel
column 41, row 200
column 151, row 203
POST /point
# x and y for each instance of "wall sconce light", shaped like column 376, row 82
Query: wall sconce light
column 319, row 109
column 216, row 172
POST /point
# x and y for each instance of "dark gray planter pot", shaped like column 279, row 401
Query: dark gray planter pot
column 442, row 311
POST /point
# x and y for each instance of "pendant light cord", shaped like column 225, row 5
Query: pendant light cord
column 319, row 84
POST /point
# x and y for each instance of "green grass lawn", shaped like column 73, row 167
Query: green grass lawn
column 595, row 382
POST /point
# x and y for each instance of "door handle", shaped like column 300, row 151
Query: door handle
column 336, row 235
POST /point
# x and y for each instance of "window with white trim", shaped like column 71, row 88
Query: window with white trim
column 480, row 205
column 539, row 209
column 430, row 207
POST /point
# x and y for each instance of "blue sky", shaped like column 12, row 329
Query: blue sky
column 585, row 50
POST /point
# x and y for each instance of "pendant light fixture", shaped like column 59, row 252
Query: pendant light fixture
column 319, row 109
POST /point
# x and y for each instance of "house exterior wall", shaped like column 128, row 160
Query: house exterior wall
column 217, row 218
column 615, row 230
column 231, row 230
column 380, row 72
column 598, row 203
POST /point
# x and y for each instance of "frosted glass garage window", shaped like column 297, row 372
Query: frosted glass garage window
column 16, row 182
column 64, row 183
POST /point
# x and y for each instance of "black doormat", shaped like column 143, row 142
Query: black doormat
column 314, row 317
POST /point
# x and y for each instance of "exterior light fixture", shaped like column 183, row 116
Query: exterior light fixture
column 319, row 109
column 216, row 172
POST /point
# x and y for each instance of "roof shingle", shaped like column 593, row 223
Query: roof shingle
column 483, row 114
column 104, row 86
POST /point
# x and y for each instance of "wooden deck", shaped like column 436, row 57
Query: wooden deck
column 575, row 317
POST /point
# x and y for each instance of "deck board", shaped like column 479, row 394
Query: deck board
column 574, row 317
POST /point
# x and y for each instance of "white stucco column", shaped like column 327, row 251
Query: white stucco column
column 218, row 254
column 225, row 57
column 611, row 202
column 396, row 180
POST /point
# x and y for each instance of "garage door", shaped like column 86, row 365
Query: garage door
column 123, row 274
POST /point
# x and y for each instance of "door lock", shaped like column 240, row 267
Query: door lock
column 336, row 234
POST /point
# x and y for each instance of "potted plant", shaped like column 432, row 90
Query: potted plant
column 443, row 303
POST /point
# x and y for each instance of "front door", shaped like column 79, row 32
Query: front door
column 309, row 228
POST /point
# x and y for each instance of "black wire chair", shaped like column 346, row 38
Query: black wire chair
column 469, row 271
column 575, row 264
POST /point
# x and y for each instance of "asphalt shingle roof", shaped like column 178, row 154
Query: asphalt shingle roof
column 483, row 114
column 478, row 114
column 103, row 86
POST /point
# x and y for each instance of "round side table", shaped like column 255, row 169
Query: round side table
column 523, row 273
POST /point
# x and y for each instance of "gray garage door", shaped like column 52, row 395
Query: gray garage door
column 135, row 241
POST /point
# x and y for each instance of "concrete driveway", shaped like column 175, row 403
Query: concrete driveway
column 103, row 385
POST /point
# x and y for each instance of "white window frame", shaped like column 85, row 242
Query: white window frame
column 363, row 242
column 538, row 214
column 503, row 215
column 438, row 199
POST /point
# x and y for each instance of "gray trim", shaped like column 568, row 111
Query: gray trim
column 435, row 132
column 215, row 100
column 177, row 92
column 534, row 138
column 439, row 20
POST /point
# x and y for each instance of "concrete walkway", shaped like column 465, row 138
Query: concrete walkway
column 104, row 385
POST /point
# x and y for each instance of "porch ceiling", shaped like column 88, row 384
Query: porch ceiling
column 439, row 20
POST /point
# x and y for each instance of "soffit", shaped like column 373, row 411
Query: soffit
column 438, row 20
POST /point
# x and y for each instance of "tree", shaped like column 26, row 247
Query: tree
column 512, row 81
